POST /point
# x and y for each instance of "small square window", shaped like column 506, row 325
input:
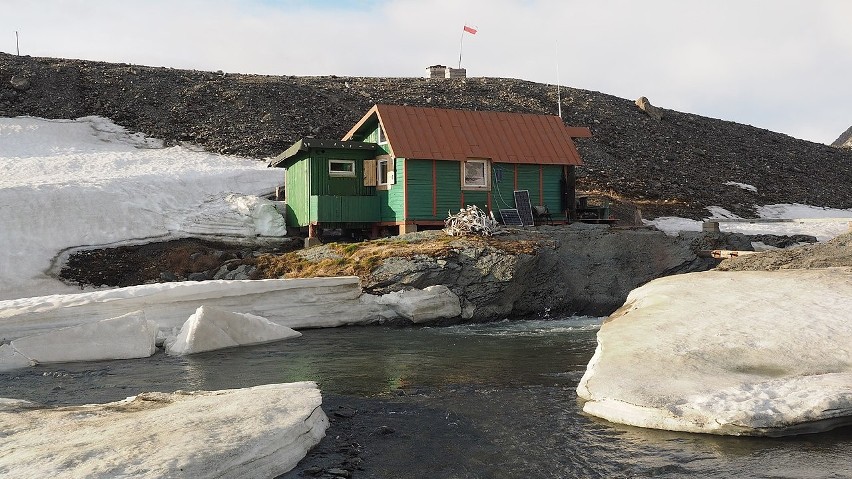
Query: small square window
column 341, row 168
column 475, row 174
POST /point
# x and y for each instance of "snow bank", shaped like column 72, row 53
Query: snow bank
column 295, row 303
column 822, row 230
column 261, row 431
column 740, row 353
column 127, row 336
column 87, row 182
column 211, row 328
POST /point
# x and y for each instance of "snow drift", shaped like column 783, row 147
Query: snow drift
column 88, row 182
column 735, row 353
column 262, row 431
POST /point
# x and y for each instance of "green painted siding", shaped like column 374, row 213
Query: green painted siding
column 449, row 188
column 478, row 198
column 502, row 191
column 528, row 180
column 373, row 137
column 345, row 209
column 392, row 201
column 324, row 184
column 313, row 195
column 296, row 193
column 419, row 184
column 553, row 190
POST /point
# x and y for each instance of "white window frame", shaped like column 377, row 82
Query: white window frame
column 384, row 182
column 381, row 136
column 348, row 173
column 485, row 185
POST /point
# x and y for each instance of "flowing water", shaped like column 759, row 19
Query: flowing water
column 490, row 400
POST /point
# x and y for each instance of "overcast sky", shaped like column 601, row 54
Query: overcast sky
column 784, row 65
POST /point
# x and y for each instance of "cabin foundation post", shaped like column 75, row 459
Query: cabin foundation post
column 313, row 236
column 406, row 228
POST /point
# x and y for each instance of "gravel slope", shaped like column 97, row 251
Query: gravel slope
column 674, row 166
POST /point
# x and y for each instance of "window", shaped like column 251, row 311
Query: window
column 476, row 175
column 381, row 135
column 385, row 173
column 341, row 168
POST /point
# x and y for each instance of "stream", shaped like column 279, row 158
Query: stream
column 492, row 400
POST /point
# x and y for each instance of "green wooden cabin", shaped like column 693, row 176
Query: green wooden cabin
column 403, row 166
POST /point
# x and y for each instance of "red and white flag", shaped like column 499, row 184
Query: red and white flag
column 470, row 30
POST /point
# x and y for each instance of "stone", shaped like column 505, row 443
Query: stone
column 20, row 83
column 645, row 105
column 197, row 276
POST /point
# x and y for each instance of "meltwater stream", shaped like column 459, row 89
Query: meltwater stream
column 490, row 400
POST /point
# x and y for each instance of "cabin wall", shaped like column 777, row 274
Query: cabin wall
column 392, row 200
column 434, row 188
column 297, row 193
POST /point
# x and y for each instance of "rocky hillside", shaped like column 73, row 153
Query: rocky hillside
column 674, row 165
column 844, row 140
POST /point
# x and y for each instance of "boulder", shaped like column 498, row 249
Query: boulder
column 645, row 105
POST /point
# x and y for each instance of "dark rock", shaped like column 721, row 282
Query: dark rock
column 168, row 276
column 314, row 471
column 384, row 430
column 197, row 277
column 337, row 472
column 345, row 412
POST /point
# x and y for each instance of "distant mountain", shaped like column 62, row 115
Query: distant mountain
column 844, row 140
column 675, row 165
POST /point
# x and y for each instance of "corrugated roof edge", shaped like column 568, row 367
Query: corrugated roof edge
column 307, row 143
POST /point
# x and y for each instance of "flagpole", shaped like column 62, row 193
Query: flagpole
column 558, row 93
column 461, row 46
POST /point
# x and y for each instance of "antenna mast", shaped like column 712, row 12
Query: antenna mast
column 558, row 92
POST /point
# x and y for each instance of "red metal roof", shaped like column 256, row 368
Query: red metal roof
column 442, row 134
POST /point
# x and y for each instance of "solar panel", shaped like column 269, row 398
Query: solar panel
column 522, row 203
column 510, row 217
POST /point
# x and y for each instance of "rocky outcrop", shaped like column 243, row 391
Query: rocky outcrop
column 676, row 165
column 645, row 105
column 579, row 269
column 844, row 140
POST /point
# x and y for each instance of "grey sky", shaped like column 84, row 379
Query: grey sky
column 784, row 65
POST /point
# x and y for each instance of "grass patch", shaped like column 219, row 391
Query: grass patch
column 361, row 259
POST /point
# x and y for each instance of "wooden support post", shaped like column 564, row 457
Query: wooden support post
column 406, row 228
column 313, row 236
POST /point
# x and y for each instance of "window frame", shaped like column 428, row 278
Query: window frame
column 349, row 173
column 386, row 181
column 486, row 171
